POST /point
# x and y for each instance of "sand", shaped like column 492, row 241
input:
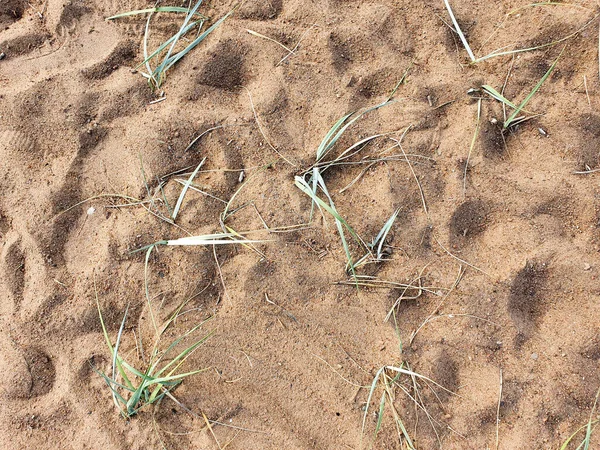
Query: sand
column 516, row 340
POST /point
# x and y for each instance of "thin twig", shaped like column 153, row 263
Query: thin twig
column 461, row 272
column 262, row 131
column 498, row 413
column 255, row 33
column 460, row 260
column 211, row 431
column 586, row 90
column 416, row 179
column 475, row 134
column 220, row 272
column 293, row 51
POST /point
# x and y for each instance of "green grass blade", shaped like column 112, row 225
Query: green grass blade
column 146, row 288
column 107, row 338
column 498, row 96
column 340, row 128
column 323, row 146
column 151, row 80
column 117, row 398
column 164, row 45
column 172, row 60
column 304, row 187
column 133, row 370
column 174, row 9
column 154, row 396
column 159, row 71
column 184, row 353
column 112, row 382
column 116, row 350
column 380, row 415
column 185, row 189
column 532, row 93
column 382, row 235
column 135, row 399
column 173, row 345
column 349, row 152
column 400, row 82
column 370, row 396
column 340, row 222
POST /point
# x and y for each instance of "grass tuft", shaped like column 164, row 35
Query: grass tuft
column 514, row 118
column 311, row 182
column 134, row 388
column 166, row 55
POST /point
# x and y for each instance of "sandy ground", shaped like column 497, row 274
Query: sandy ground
column 76, row 122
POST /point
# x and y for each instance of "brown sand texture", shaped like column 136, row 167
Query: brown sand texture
column 497, row 231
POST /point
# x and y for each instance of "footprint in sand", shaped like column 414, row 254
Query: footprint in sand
column 15, row 377
column 16, row 143
column 12, row 267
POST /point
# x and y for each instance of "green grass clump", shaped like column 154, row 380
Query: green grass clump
column 135, row 388
column 165, row 55
column 312, row 182
column 514, row 118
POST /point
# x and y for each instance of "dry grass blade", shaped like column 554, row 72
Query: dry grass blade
column 436, row 310
column 340, row 127
column 472, row 146
column 260, row 128
column 211, row 239
column 500, row 52
column 175, row 9
column 461, row 35
column 227, row 212
column 381, row 376
column 262, row 36
column 185, row 188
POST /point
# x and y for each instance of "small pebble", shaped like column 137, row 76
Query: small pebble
column 2, row 55
column 587, row 266
column 534, row 356
column 91, row 210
